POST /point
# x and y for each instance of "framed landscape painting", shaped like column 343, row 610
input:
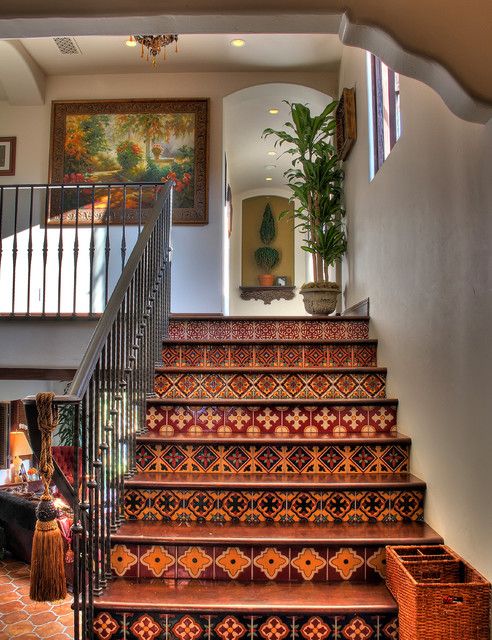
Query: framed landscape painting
column 129, row 141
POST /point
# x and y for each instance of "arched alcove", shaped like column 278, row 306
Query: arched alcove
column 246, row 115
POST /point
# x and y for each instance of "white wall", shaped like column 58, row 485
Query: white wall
column 197, row 257
column 420, row 248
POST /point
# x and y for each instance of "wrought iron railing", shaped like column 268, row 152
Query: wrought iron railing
column 107, row 403
column 64, row 246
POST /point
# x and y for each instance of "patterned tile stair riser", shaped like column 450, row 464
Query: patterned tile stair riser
column 323, row 356
column 276, row 505
column 273, row 420
column 117, row 625
column 273, row 385
column 268, row 330
column 260, row 563
column 272, row 458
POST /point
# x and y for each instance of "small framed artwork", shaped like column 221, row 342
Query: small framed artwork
column 7, row 156
column 346, row 131
column 282, row 281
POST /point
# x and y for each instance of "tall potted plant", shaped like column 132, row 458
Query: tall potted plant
column 316, row 181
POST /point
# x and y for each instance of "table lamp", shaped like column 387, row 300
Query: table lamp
column 19, row 448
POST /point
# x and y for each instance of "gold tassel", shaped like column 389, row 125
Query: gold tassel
column 48, row 581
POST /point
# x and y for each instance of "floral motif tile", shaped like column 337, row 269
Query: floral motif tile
column 238, row 626
column 274, row 420
column 206, row 505
column 323, row 356
column 278, row 385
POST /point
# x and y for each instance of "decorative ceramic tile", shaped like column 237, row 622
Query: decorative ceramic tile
column 124, row 562
column 268, row 330
column 233, row 563
column 256, row 563
column 308, row 564
column 236, row 626
column 194, row 562
column 105, row 626
column 348, row 563
column 278, row 385
column 271, row 458
column 359, row 627
column 274, row 420
column 272, row 563
column 275, row 505
column 323, row 356
column 157, row 561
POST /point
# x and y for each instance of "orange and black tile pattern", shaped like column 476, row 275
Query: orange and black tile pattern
column 22, row 619
column 271, row 458
column 276, row 385
column 117, row 625
column 268, row 329
column 243, row 563
column 275, row 420
column 276, row 505
column 282, row 355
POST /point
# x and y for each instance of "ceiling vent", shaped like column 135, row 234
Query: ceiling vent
column 67, row 46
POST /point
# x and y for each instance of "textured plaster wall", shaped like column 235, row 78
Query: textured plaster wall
column 420, row 248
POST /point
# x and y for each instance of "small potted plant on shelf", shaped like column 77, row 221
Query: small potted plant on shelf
column 267, row 257
column 316, row 182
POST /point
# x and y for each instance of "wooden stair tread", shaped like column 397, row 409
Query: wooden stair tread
column 281, row 370
column 303, row 533
column 207, row 596
column 279, row 481
column 257, row 341
column 206, row 318
column 214, row 438
column 282, row 402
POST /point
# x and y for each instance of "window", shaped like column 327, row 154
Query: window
column 384, row 110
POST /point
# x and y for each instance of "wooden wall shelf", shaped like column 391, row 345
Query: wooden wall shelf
column 267, row 294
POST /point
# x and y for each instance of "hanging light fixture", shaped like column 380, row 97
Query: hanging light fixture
column 154, row 44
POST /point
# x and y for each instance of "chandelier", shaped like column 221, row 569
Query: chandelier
column 154, row 44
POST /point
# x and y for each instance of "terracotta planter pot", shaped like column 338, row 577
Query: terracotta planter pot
column 266, row 280
column 320, row 301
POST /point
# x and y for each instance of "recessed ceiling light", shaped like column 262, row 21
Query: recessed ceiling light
column 273, row 111
column 131, row 42
column 268, row 179
column 272, row 153
column 238, row 42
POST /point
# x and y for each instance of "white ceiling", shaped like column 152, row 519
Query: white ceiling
column 245, row 117
column 197, row 52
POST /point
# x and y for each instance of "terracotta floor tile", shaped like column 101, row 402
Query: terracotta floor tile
column 67, row 619
column 15, row 616
column 43, row 617
column 20, row 627
column 22, row 619
column 7, row 597
column 9, row 606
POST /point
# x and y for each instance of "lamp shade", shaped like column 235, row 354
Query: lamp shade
column 19, row 444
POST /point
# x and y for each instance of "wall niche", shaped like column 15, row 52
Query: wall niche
column 252, row 215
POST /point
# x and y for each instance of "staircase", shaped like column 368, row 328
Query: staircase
column 269, row 480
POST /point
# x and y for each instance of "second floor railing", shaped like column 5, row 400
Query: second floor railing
column 63, row 247
column 106, row 405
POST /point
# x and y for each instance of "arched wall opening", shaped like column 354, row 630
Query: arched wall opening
column 246, row 115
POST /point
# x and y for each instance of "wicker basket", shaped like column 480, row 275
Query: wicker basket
column 439, row 595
